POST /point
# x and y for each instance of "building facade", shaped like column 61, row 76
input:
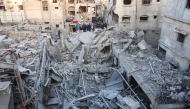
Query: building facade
column 135, row 14
column 11, row 11
column 174, row 40
column 46, row 11
column 81, row 9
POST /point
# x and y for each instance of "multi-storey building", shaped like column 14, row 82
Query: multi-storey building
column 81, row 9
column 175, row 38
column 143, row 15
column 135, row 14
column 47, row 11
column 11, row 11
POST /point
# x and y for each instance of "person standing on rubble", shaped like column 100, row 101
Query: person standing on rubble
column 90, row 27
column 93, row 27
column 59, row 34
column 78, row 27
column 81, row 27
column 84, row 27
column 87, row 27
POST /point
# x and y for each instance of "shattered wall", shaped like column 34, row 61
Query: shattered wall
column 9, row 16
column 83, row 10
column 152, row 37
column 52, row 14
column 176, row 22
column 12, row 12
column 134, row 11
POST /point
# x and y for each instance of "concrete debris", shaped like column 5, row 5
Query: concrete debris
column 140, row 34
column 131, row 102
column 132, row 34
column 86, row 37
column 104, row 69
column 142, row 45
column 2, row 37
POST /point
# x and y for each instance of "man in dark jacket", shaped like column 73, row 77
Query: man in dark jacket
column 84, row 27
column 90, row 27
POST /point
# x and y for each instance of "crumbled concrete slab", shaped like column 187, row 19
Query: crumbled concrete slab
column 86, row 37
column 142, row 45
column 95, row 70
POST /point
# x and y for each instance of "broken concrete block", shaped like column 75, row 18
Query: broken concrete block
column 140, row 34
column 115, row 82
column 56, row 77
column 81, row 57
column 86, row 37
column 131, row 34
column 53, row 101
column 142, row 45
column 131, row 102
column 128, row 44
column 98, row 37
column 25, row 71
column 76, row 46
column 2, row 37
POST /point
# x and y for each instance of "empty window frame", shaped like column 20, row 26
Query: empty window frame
column 158, row 0
column 2, row 8
column 180, row 38
column 126, row 18
column 56, row 8
column 155, row 17
column 144, row 18
column 45, row 6
column 126, row 2
column 83, row 9
column 70, row 1
column 71, row 11
column 145, row 1
column 20, row 7
column 54, row 1
column 114, row 2
column 188, row 4
column 57, row 25
column 46, row 22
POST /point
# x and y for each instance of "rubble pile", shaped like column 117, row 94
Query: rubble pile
column 85, row 70
column 164, row 82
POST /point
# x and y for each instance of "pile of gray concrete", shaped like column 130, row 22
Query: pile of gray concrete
column 88, row 70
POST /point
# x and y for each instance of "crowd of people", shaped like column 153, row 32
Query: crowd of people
column 85, row 27
column 90, row 27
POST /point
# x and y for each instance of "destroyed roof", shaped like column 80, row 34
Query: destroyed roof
column 82, row 70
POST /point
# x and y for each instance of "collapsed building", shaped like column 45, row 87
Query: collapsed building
column 112, row 68
column 81, row 9
column 137, row 15
column 109, row 68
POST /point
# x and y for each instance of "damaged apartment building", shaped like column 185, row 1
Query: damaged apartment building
column 54, row 12
column 143, row 15
column 11, row 11
column 139, row 61
column 175, row 38
column 82, row 11
column 46, row 11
